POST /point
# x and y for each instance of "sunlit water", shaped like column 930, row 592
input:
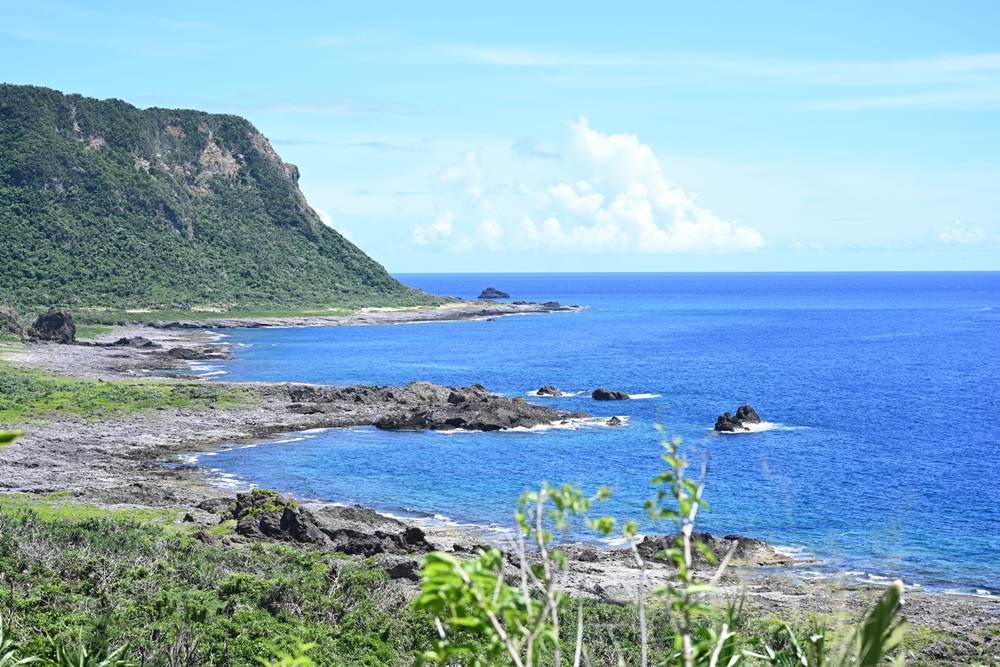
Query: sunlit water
column 882, row 390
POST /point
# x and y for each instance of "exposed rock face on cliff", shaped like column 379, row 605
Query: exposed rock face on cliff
column 606, row 395
column 105, row 204
column 56, row 325
column 729, row 423
column 493, row 293
column 421, row 406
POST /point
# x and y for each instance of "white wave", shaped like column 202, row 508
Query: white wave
column 641, row 396
column 795, row 553
column 205, row 375
column 287, row 440
column 315, row 430
column 565, row 394
column 572, row 424
column 188, row 459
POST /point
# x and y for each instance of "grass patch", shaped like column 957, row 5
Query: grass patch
column 57, row 507
column 84, row 331
column 27, row 395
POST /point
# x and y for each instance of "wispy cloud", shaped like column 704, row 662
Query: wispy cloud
column 945, row 81
column 525, row 147
column 414, row 147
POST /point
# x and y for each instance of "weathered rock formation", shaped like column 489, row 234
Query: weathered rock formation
column 55, row 324
column 493, row 293
column 421, row 406
column 265, row 514
column 202, row 353
column 10, row 321
column 548, row 390
column 729, row 423
column 606, row 395
column 749, row 552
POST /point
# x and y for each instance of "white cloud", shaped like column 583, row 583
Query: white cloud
column 324, row 217
column 616, row 200
column 960, row 232
column 437, row 232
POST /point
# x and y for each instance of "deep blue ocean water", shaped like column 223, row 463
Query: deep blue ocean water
column 884, row 389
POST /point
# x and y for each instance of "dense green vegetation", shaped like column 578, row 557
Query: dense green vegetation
column 167, row 593
column 26, row 395
column 105, row 204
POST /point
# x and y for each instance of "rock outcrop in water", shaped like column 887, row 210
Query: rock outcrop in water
column 729, row 423
column 56, row 325
column 422, row 406
column 548, row 390
column 606, row 395
column 493, row 293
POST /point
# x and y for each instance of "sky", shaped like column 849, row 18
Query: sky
column 579, row 136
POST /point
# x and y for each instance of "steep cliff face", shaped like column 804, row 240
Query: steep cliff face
column 102, row 203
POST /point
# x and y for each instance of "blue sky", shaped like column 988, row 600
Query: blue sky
column 579, row 136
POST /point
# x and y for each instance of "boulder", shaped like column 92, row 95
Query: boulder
column 548, row 390
column 728, row 423
column 552, row 304
column 606, row 395
column 10, row 321
column 55, row 324
column 616, row 421
column 493, row 293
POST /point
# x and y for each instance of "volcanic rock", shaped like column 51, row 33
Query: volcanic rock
column 548, row 390
column 606, row 395
column 727, row 423
column 56, row 324
column 493, row 293
column 615, row 421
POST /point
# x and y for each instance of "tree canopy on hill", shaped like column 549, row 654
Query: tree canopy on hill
column 105, row 204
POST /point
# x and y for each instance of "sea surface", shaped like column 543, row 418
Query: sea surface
column 882, row 393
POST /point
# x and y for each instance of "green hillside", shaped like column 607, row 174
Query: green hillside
column 104, row 204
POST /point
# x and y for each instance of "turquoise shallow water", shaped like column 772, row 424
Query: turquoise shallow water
column 884, row 390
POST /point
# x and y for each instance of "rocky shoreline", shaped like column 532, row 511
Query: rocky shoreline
column 118, row 462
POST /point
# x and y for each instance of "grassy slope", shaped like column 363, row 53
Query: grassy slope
column 105, row 204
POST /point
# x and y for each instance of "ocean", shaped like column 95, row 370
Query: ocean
column 881, row 457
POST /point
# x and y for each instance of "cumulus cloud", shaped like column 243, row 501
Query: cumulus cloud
column 617, row 199
column 960, row 232
column 437, row 232
column 324, row 217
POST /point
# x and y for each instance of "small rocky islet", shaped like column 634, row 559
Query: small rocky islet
column 730, row 423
